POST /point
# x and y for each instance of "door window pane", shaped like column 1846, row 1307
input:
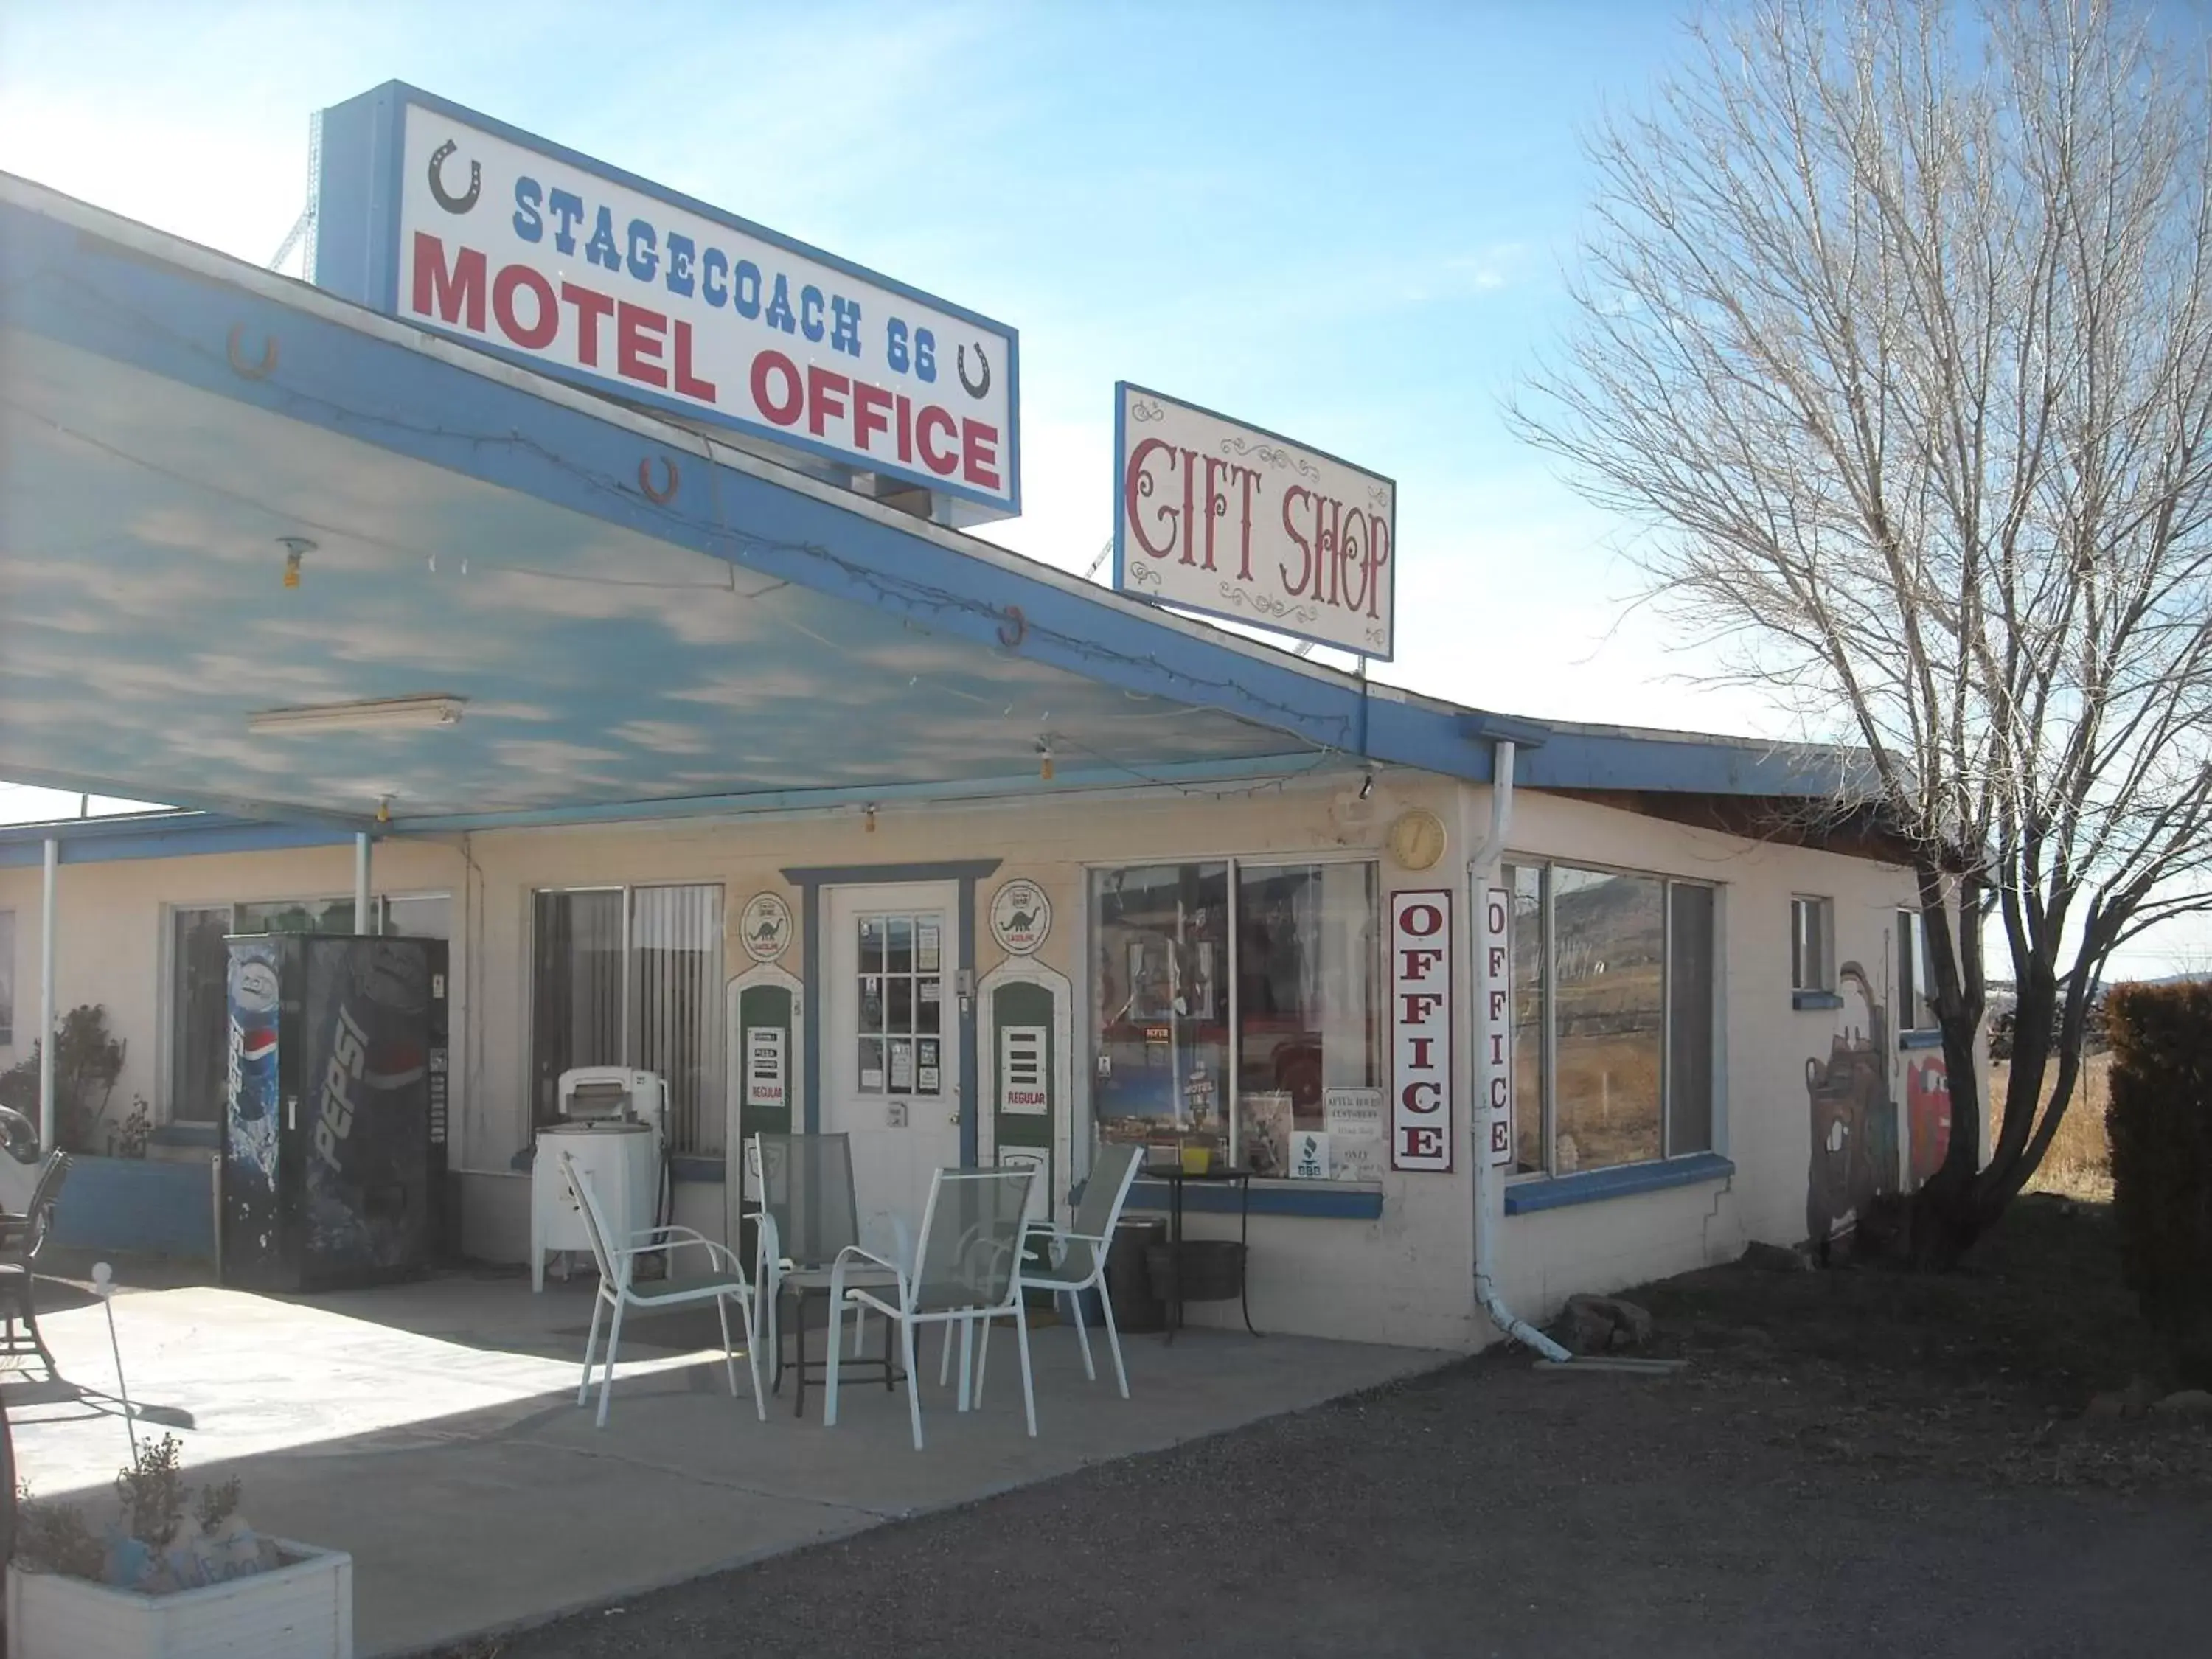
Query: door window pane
column 900, row 997
column 675, row 998
column 1609, row 933
column 1308, row 1019
column 576, row 990
column 199, row 1013
column 1161, row 935
column 1689, row 1020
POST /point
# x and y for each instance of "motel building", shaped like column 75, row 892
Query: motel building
column 580, row 574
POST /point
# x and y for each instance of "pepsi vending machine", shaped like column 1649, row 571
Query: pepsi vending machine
column 334, row 1136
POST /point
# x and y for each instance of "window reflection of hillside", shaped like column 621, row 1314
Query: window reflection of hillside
column 1611, row 944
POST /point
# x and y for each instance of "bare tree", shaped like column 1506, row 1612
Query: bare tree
column 1894, row 335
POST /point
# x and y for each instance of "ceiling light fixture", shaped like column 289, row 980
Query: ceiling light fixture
column 378, row 714
column 294, row 547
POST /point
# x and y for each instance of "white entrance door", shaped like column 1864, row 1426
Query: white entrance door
column 891, row 1071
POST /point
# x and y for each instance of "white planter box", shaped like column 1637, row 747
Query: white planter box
column 301, row 1610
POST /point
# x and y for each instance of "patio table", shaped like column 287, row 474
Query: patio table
column 803, row 1285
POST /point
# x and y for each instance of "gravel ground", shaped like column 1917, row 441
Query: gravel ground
column 1853, row 1463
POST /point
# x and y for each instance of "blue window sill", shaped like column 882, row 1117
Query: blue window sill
column 1920, row 1039
column 1338, row 1200
column 1589, row 1186
column 1801, row 1000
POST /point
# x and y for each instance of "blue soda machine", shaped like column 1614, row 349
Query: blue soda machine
column 334, row 1132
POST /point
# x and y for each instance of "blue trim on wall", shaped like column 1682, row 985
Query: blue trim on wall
column 1804, row 1000
column 1625, row 760
column 149, row 1207
column 971, row 1105
column 810, row 995
column 1589, row 1186
column 94, row 841
column 1932, row 1038
column 880, row 875
column 1326, row 1200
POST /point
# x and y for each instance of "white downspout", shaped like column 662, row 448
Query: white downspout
column 46, row 998
column 1482, row 871
column 361, row 886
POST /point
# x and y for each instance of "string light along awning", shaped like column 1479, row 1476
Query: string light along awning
column 265, row 552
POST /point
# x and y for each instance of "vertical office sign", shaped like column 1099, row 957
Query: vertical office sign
column 1420, row 1029
column 1494, row 1123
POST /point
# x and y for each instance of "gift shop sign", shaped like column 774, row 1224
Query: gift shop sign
column 1420, row 1029
column 1216, row 516
column 450, row 220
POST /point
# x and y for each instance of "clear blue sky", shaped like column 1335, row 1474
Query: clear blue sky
column 1346, row 222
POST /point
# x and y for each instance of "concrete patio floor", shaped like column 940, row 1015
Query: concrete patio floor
column 432, row 1430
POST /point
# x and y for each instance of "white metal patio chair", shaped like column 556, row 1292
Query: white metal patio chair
column 967, row 1268
column 1076, row 1260
column 722, row 1283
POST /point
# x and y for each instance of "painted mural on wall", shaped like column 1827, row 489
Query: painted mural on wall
column 1854, row 1120
column 1927, row 1111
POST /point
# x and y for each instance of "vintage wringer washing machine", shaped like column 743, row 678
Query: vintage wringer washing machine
column 614, row 1122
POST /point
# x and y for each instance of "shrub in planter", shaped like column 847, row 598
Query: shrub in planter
column 2159, row 1122
column 151, row 1550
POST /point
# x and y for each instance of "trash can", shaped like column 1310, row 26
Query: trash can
column 1211, row 1269
column 1136, row 1307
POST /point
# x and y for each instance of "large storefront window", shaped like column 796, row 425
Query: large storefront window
column 1265, row 972
column 199, row 1015
column 1613, row 1018
column 631, row 976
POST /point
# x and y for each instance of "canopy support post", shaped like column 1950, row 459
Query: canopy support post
column 360, row 885
column 46, row 996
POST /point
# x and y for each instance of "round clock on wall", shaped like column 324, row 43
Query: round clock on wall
column 1416, row 839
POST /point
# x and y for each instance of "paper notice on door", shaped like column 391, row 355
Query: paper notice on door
column 926, row 947
column 902, row 1066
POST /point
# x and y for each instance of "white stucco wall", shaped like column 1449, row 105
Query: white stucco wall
column 1405, row 1277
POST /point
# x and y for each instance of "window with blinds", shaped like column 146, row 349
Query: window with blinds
column 631, row 976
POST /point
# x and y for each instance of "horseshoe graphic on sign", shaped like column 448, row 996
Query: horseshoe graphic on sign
column 960, row 362
column 447, row 199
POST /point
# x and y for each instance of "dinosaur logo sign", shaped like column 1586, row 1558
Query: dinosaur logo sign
column 1021, row 918
column 765, row 926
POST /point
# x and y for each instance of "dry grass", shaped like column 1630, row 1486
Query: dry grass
column 2080, row 1163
